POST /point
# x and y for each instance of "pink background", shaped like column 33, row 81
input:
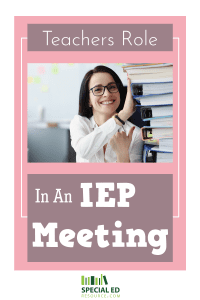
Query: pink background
column 177, row 168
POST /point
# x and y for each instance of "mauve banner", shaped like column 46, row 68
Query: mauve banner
column 61, row 229
column 100, row 37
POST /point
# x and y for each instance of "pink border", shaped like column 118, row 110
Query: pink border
column 179, row 224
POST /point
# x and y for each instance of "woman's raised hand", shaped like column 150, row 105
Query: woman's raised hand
column 129, row 105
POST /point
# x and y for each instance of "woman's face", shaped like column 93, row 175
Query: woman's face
column 108, row 102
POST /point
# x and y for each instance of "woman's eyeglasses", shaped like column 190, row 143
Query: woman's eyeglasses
column 99, row 90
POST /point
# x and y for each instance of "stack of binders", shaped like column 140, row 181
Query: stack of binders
column 152, row 88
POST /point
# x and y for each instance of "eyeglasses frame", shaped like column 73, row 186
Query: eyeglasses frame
column 104, row 88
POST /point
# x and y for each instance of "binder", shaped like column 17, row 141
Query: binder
column 159, row 121
column 155, row 111
column 154, row 99
column 147, row 88
column 153, row 74
column 166, row 143
column 149, row 133
column 151, row 153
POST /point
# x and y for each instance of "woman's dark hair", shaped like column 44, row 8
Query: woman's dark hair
column 84, row 109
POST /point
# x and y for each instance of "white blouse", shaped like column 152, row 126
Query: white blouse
column 88, row 139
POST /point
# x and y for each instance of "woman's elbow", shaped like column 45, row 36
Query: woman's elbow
column 81, row 150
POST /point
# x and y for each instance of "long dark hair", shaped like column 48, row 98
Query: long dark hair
column 84, row 109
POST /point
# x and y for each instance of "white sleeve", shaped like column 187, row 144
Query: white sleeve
column 136, row 147
column 87, row 143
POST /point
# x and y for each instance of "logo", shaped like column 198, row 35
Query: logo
column 94, row 286
column 92, row 280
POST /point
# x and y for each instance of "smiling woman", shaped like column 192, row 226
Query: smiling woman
column 101, row 132
column 104, row 97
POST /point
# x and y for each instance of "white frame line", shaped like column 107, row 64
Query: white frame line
column 177, row 38
column 25, row 38
column 22, row 38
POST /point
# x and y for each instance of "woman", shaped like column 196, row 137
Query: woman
column 101, row 132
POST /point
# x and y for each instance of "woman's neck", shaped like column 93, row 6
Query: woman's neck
column 100, row 119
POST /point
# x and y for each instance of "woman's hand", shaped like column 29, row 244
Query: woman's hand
column 129, row 105
column 120, row 143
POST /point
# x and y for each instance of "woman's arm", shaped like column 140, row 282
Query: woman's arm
column 120, row 144
column 87, row 143
column 128, row 148
column 129, row 105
